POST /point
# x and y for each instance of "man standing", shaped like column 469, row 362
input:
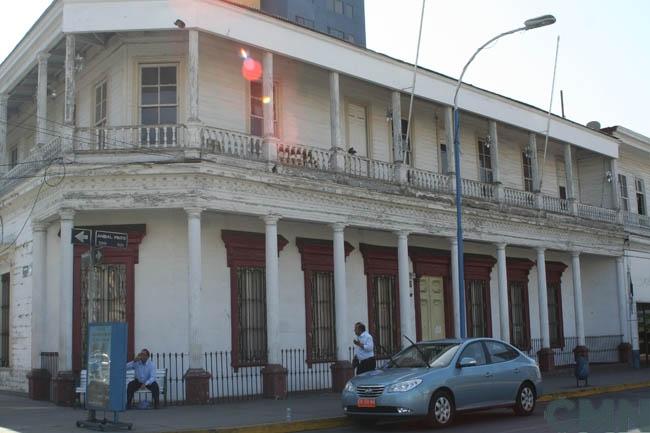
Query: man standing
column 364, row 349
column 145, row 377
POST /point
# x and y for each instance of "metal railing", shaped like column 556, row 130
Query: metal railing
column 50, row 362
column 602, row 349
column 429, row 180
column 299, row 155
column 480, row 190
column 371, row 168
column 224, row 142
column 39, row 158
column 555, row 204
column 131, row 137
column 519, row 198
column 596, row 213
column 637, row 220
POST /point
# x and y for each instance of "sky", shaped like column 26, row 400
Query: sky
column 603, row 63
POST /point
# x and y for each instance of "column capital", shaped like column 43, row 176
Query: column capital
column 271, row 219
column 39, row 226
column 575, row 253
column 501, row 245
column 338, row 227
column 66, row 214
column 540, row 250
column 620, row 259
column 43, row 57
column 453, row 240
column 402, row 233
column 194, row 212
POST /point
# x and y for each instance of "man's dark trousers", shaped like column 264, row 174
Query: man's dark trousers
column 368, row 364
column 135, row 385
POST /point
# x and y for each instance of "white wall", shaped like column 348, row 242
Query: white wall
column 599, row 293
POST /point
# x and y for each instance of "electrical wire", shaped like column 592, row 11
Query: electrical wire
column 415, row 74
column 548, row 117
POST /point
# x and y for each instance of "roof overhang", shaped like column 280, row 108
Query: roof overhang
column 256, row 29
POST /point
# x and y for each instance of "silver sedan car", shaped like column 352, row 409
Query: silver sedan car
column 437, row 379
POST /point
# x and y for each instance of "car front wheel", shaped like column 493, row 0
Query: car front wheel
column 526, row 399
column 441, row 409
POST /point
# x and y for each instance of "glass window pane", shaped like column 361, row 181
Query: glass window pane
column 149, row 116
column 167, row 115
column 168, row 75
column 257, row 108
column 256, row 89
column 256, row 126
column 168, row 94
column 474, row 351
column 149, row 76
column 149, row 96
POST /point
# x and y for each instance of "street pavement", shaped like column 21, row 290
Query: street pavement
column 505, row 421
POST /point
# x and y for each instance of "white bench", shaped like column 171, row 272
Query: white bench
column 161, row 379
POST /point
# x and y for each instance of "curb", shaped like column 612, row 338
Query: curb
column 328, row 423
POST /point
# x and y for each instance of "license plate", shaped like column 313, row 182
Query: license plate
column 366, row 402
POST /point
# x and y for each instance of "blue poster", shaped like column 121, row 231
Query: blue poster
column 106, row 366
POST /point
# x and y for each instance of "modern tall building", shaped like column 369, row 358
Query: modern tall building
column 344, row 19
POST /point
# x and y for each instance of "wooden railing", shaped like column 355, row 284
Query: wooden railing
column 130, row 137
column 224, row 142
column 364, row 167
column 596, row 213
column 555, row 204
column 519, row 198
column 481, row 190
column 299, row 155
column 634, row 219
column 41, row 157
column 428, row 180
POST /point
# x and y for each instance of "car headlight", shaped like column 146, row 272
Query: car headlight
column 404, row 386
column 349, row 387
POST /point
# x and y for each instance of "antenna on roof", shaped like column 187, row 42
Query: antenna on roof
column 415, row 74
column 562, row 102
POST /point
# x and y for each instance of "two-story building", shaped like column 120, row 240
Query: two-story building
column 275, row 190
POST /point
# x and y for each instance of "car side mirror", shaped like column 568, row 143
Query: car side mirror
column 466, row 362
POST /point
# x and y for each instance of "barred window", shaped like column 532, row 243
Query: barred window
column 555, row 313
column 384, row 305
column 519, row 331
column 477, row 299
column 640, row 196
column 322, row 326
column 625, row 199
column 4, row 321
column 528, row 172
column 485, row 162
column 251, row 304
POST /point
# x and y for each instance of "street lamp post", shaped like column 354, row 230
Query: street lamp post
column 530, row 24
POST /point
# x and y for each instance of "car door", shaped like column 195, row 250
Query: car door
column 507, row 375
column 470, row 385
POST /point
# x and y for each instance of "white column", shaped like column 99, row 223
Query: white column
column 267, row 91
column 4, row 117
column 504, row 313
column 194, row 282
column 193, row 73
column 543, row 298
column 340, row 293
column 70, row 93
column 622, row 298
column 66, row 253
column 616, row 192
column 577, row 297
column 272, row 290
column 534, row 161
column 453, row 243
column 494, row 151
column 407, row 313
column 335, row 112
column 568, row 171
column 41, row 101
column 449, row 138
column 39, row 294
column 396, row 102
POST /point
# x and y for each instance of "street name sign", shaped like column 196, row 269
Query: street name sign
column 111, row 239
column 82, row 236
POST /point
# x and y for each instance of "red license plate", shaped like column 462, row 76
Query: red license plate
column 366, row 402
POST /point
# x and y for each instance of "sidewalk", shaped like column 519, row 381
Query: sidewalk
column 19, row 414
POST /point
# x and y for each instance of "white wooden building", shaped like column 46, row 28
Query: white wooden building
column 115, row 115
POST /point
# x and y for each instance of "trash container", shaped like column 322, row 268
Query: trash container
column 581, row 368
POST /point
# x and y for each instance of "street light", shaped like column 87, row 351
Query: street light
column 533, row 23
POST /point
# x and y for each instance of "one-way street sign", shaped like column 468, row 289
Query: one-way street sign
column 82, row 236
column 111, row 239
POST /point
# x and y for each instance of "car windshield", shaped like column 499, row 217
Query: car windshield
column 436, row 355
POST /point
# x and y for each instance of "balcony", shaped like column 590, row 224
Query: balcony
column 162, row 140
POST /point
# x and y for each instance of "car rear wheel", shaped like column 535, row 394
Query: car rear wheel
column 441, row 409
column 526, row 399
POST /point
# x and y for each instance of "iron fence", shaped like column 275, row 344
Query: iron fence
column 50, row 362
column 602, row 349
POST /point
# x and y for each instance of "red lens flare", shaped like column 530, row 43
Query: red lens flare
column 251, row 69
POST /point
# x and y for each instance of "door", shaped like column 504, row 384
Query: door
column 472, row 385
column 358, row 129
column 643, row 315
column 432, row 308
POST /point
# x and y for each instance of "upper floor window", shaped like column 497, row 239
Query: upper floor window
column 406, row 142
column 257, row 109
column 304, row 22
column 528, row 172
column 159, row 103
column 640, row 197
column 485, row 162
column 101, row 98
column 444, row 159
column 622, row 185
column 562, row 191
column 13, row 158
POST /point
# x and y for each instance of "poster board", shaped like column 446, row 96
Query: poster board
column 106, row 388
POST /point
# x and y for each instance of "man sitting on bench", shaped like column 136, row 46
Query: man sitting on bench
column 145, row 377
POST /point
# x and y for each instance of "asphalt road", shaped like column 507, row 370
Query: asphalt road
column 598, row 414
